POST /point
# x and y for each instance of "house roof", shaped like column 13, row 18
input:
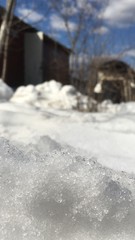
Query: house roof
column 112, row 66
column 109, row 62
column 28, row 26
column 100, row 61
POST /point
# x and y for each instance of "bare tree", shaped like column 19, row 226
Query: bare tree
column 6, row 23
column 81, row 24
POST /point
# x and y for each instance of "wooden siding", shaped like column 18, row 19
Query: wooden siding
column 55, row 62
column 15, row 62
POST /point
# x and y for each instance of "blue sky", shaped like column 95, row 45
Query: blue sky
column 116, row 17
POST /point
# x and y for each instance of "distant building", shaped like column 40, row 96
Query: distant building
column 34, row 57
column 111, row 79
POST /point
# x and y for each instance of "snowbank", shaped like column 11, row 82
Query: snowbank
column 53, row 95
column 62, row 196
column 122, row 108
column 5, row 91
column 49, row 94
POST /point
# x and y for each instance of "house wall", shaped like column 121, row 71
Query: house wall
column 15, row 62
column 55, row 62
column 33, row 50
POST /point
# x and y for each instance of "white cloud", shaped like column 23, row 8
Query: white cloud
column 83, row 3
column 58, row 23
column 130, row 53
column 76, row 6
column 119, row 13
column 80, row 59
column 101, row 30
column 29, row 14
column 70, row 10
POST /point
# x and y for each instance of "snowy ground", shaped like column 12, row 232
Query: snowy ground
column 67, row 175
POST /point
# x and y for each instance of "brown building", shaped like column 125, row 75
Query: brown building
column 111, row 79
column 34, row 57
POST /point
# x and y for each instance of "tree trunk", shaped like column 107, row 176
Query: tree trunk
column 4, row 34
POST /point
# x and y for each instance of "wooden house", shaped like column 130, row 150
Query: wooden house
column 34, row 57
column 111, row 79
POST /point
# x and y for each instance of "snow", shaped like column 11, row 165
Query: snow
column 66, row 175
column 98, row 88
column 5, row 91
column 48, row 94
column 61, row 195
column 132, row 85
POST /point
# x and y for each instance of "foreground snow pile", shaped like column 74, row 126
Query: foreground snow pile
column 5, row 91
column 48, row 94
column 62, row 196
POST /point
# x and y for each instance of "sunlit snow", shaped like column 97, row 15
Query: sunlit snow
column 64, row 174
column 47, row 94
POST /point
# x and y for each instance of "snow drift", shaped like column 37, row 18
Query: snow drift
column 61, row 195
column 48, row 94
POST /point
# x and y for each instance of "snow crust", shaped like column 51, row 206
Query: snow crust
column 61, row 195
